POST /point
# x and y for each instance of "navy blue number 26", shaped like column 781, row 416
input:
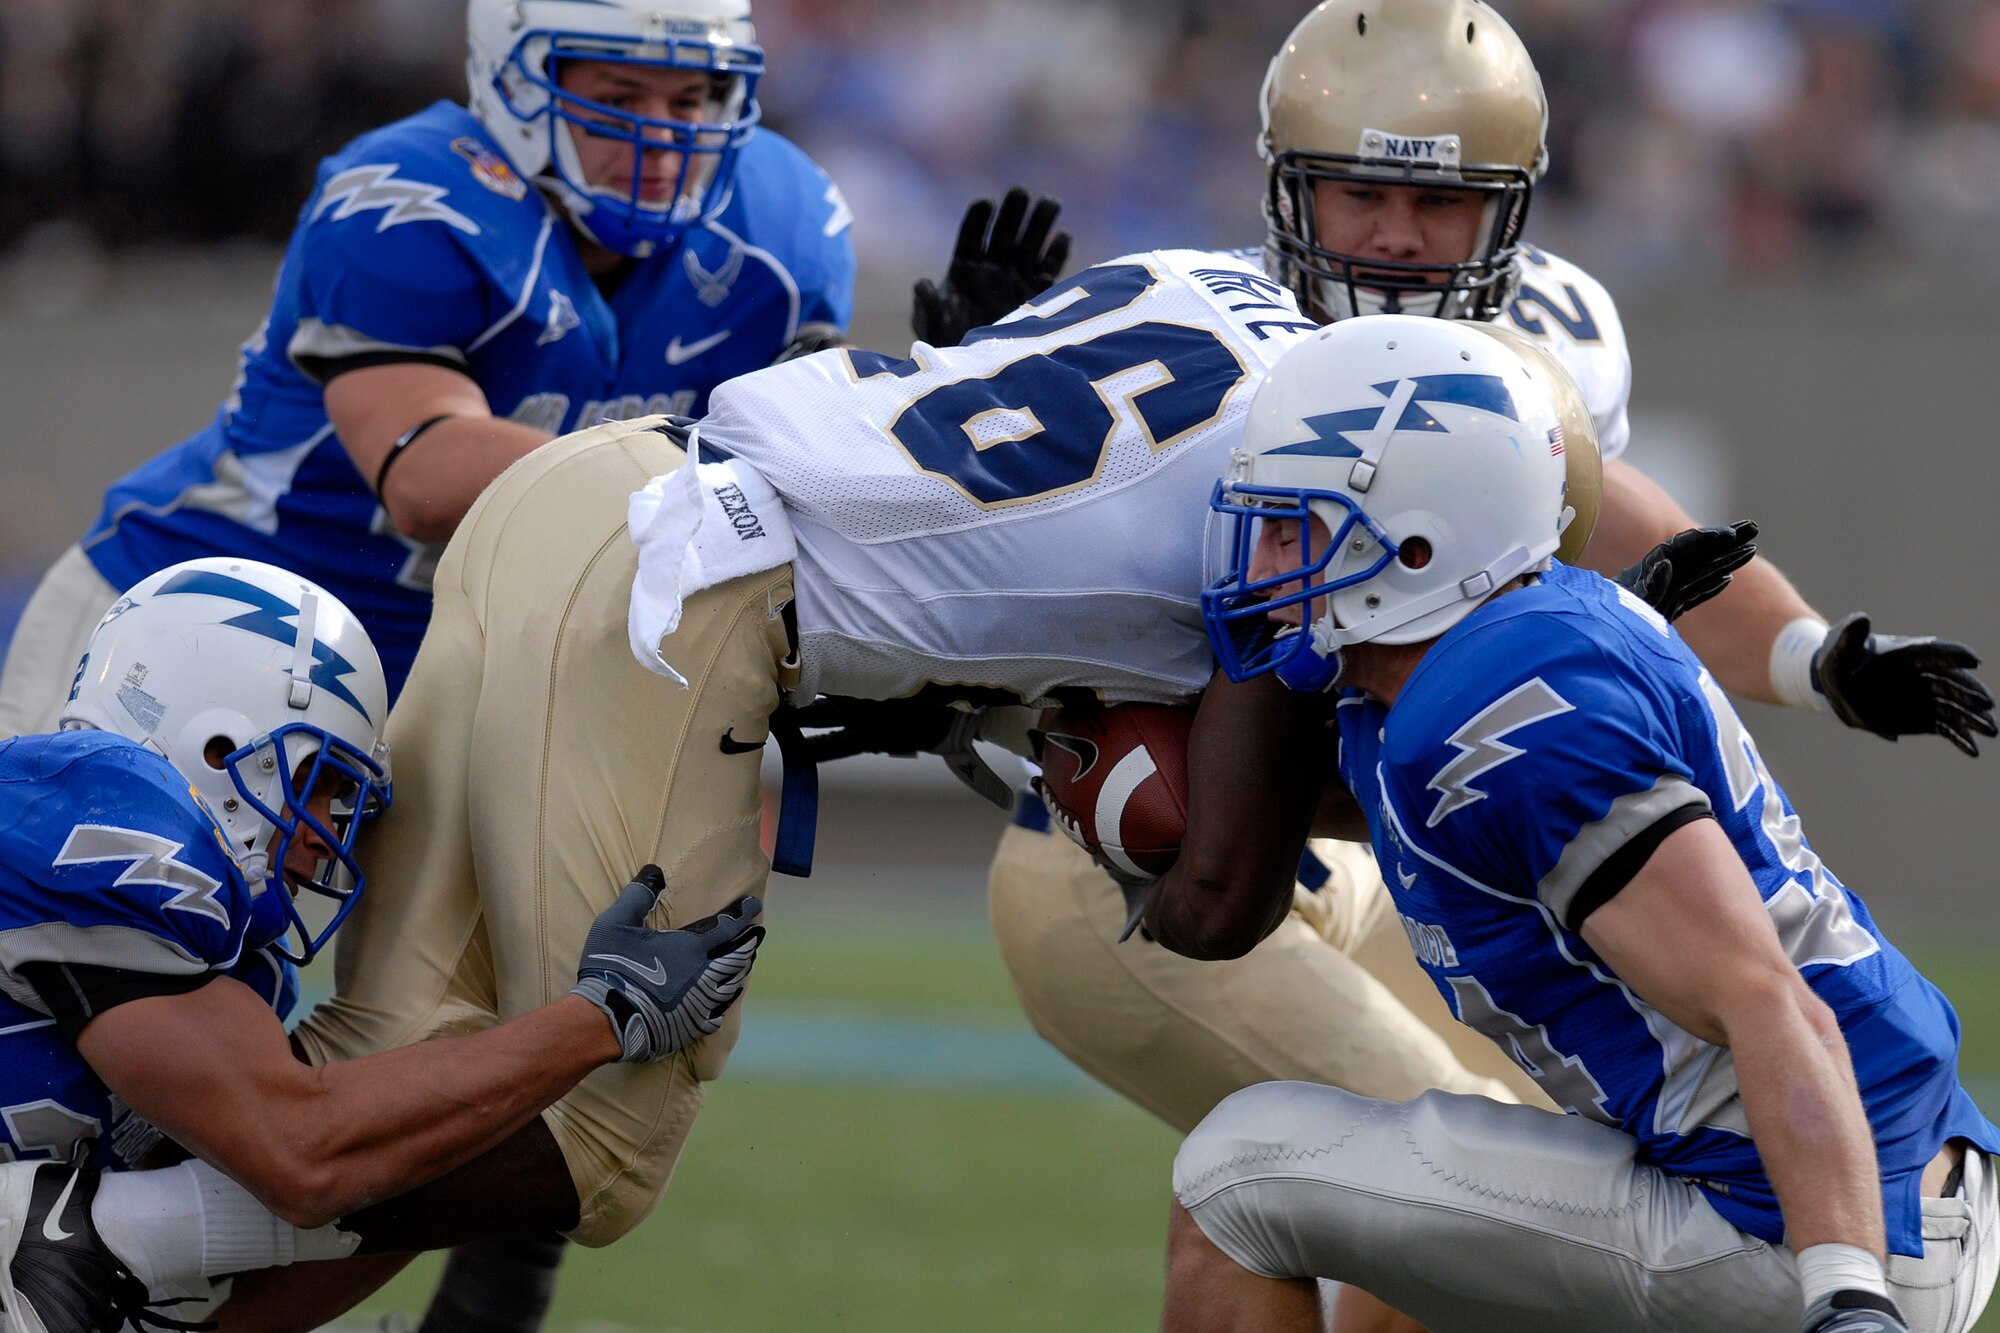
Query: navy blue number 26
column 1055, row 402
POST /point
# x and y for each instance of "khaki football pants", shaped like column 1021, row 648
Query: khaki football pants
column 536, row 766
column 1333, row 996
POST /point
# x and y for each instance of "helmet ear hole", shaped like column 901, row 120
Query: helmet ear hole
column 217, row 751
column 1414, row 553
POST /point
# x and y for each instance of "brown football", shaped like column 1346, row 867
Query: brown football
column 1118, row 775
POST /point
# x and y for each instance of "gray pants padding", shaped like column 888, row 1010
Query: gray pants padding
column 1466, row 1214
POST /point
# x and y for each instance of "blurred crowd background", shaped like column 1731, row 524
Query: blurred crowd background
column 1738, row 136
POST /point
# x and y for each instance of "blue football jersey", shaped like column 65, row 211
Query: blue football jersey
column 420, row 243
column 1549, row 734
column 107, row 860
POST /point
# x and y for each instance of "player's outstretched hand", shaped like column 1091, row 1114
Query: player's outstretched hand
column 1690, row 567
column 1853, row 1312
column 665, row 989
column 1895, row 685
column 999, row 262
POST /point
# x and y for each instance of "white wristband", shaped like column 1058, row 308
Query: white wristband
column 1825, row 1269
column 1791, row 664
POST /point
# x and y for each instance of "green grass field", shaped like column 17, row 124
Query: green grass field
column 886, row 1207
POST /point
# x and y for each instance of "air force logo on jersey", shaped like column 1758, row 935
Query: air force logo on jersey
column 364, row 188
column 1480, row 748
column 711, row 286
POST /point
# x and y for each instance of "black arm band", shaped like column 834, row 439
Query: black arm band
column 403, row 442
column 75, row 993
column 1619, row 868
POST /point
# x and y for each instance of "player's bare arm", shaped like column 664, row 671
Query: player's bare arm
column 1691, row 936
column 1764, row 642
column 426, row 439
column 1734, row 635
column 1256, row 766
column 213, row 1069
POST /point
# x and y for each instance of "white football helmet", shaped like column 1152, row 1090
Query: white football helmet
column 260, row 688
column 1401, row 92
column 1583, row 461
column 1432, row 457
column 513, row 48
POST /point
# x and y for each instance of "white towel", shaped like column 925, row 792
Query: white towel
column 695, row 527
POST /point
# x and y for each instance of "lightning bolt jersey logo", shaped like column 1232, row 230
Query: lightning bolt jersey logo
column 152, row 862
column 365, row 188
column 1481, row 749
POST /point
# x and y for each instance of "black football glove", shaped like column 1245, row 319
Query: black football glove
column 1853, row 1312
column 845, row 727
column 998, row 263
column 1895, row 686
column 1690, row 567
column 666, row 989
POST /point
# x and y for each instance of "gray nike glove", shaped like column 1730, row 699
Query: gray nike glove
column 1853, row 1312
column 665, row 989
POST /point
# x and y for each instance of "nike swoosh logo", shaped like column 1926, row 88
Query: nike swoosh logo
column 49, row 1227
column 1084, row 751
column 678, row 352
column 730, row 745
column 1406, row 880
column 656, row 974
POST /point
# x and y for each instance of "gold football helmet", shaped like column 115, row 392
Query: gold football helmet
column 1404, row 92
column 1583, row 464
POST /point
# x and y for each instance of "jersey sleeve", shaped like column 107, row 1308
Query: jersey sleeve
column 1562, row 783
column 275, row 979
column 118, row 874
column 826, row 270
column 1573, row 315
column 795, row 198
column 388, row 271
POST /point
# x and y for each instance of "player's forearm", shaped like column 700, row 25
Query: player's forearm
column 372, row 1128
column 1256, row 768
column 430, row 488
column 1732, row 634
column 1805, row 1113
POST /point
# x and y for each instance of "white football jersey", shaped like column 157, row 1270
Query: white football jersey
column 1571, row 314
column 1024, row 515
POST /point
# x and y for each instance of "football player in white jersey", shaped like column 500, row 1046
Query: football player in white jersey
column 1404, row 139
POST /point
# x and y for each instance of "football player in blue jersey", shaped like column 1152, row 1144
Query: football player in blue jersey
column 1765, row 1125
column 1403, row 144
column 222, row 752
column 603, row 231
